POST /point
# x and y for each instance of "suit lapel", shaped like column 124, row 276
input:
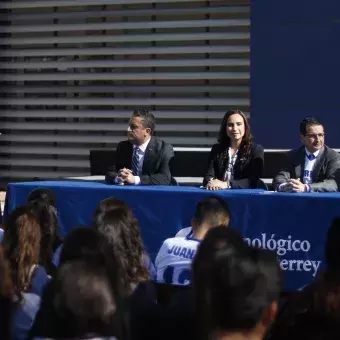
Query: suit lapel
column 149, row 155
column 238, row 165
column 318, row 164
column 300, row 163
column 223, row 161
column 129, row 156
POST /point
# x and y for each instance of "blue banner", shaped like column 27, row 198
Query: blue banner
column 295, row 71
column 294, row 226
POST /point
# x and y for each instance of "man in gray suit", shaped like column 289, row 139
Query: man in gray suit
column 313, row 167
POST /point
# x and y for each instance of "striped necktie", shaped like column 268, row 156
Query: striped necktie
column 135, row 161
column 310, row 156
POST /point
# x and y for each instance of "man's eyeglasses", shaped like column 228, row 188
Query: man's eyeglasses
column 315, row 135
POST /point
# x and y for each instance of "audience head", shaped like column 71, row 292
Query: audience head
column 106, row 205
column 43, row 205
column 88, row 244
column 84, row 300
column 210, row 212
column 332, row 250
column 6, row 296
column 6, row 287
column 22, row 245
column 235, row 129
column 42, row 195
column 216, row 238
column 141, row 126
column 85, row 243
column 314, row 312
column 237, row 287
column 121, row 230
column 312, row 134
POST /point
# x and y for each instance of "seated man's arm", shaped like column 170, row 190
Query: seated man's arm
column 162, row 176
column 331, row 181
column 284, row 175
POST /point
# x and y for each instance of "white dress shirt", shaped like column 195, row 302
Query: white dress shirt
column 141, row 155
column 307, row 171
column 229, row 173
column 309, row 165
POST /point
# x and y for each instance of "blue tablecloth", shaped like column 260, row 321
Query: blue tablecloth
column 293, row 225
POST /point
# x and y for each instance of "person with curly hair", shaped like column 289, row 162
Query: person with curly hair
column 42, row 204
column 120, row 228
column 235, row 162
column 113, row 204
column 21, row 247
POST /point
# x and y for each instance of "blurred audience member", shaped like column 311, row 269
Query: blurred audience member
column 173, row 262
column 111, row 204
column 43, row 206
column 21, row 246
column 236, row 287
column 88, row 245
column 188, row 230
column 122, row 232
column 314, row 312
column 84, row 300
column 106, row 205
column 6, row 296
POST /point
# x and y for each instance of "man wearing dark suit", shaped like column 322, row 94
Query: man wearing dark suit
column 313, row 167
column 142, row 159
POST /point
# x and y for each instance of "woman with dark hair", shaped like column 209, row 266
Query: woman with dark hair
column 84, row 301
column 43, row 205
column 236, row 287
column 21, row 246
column 108, row 204
column 313, row 313
column 235, row 162
column 112, row 204
column 88, row 245
column 122, row 232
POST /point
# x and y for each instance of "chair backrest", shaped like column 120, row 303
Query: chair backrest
column 165, row 292
column 101, row 161
column 184, row 164
column 262, row 185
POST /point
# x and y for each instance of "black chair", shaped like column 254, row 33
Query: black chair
column 262, row 185
column 101, row 161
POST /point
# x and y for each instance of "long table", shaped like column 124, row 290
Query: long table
column 292, row 225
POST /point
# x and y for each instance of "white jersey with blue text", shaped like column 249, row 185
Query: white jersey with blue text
column 173, row 262
column 184, row 232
